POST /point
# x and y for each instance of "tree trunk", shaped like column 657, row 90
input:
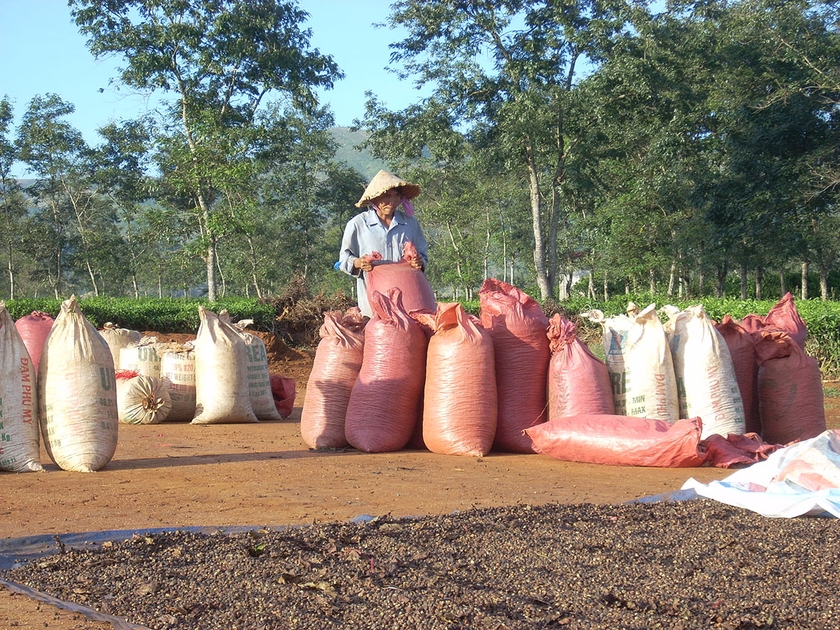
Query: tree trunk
column 219, row 272
column 504, row 247
column 11, row 274
column 743, row 274
column 782, row 282
column 722, row 272
column 254, row 266
column 606, row 287
column 823, row 282
column 543, row 281
column 805, row 268
column 672, row 277
column 759, row 279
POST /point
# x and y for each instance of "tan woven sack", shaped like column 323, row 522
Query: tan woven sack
column 141, row 399
column 118, row 338
column 221, row 378
column 259, row 380
column 77, row 394
column 177, row 371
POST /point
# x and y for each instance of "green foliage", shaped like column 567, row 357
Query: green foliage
column 160, row 315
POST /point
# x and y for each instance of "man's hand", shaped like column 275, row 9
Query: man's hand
column 361, row 263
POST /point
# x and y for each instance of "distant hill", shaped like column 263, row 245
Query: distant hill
column 347, row 140
column 362, row 161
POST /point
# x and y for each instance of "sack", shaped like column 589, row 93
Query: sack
column 221, row 376
column 144, row 356
column 34, row 330
column 259, row 382
column 384, row 402
column 706, row 382
column 782, row 317
column 417, row 293
column 742, row 350
column 141, row 399
column 118, row 338
column 177, row 372
column 20, row 446
column 578, row 381
column 790, row 393
column 338, row 360
column 640, row 364
column 620, row 441
column 77, row 394
column 459, row 407
column 517, row 326
column 283, row 392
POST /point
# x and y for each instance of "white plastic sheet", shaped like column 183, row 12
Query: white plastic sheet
column 773, row 487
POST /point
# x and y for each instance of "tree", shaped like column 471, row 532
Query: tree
column 222, row 60
column 12, row 206
column 120, row 174
column 505, row 72
column 57, row 155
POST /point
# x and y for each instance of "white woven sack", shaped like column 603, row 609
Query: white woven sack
column 706, row 381
column 221, row 377
column 77, row 394
column 142, row 400
column 118, row 338
column 141, row 357
column 640, row 365
column 177, row 371
column 259, row 380
column 20, row 447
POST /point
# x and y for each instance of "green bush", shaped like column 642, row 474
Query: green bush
column 167, row 315
column 296, row 316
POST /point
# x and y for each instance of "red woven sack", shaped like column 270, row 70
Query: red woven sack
column 783, row 317
column 620, row 440
column 578, row 381
column 459, row 407
column 790, row 393
column 385, row 400
column 34, row 330
column 338, row 360
column 517, row 325
column 283, row 392
column 741, row 346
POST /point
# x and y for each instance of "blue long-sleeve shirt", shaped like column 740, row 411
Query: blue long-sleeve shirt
column 365, row 233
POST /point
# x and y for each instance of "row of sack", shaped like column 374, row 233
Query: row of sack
column 747, row 377
column 465, row 385
column 58, row 383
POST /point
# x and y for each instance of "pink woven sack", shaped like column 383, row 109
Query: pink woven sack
column 459, row 413
column 620, row 440
column 578, row 381
column 34, row 330
column 385, row 402
column 517, row 325
column 338, row 360
column 417, row 294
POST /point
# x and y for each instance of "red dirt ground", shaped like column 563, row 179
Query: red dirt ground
column 177, row 475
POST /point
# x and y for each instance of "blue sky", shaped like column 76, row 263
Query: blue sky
column 41, row 51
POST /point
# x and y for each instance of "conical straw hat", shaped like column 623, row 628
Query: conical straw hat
column 384, row 181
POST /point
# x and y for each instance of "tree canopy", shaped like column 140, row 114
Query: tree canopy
column 691, row 148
